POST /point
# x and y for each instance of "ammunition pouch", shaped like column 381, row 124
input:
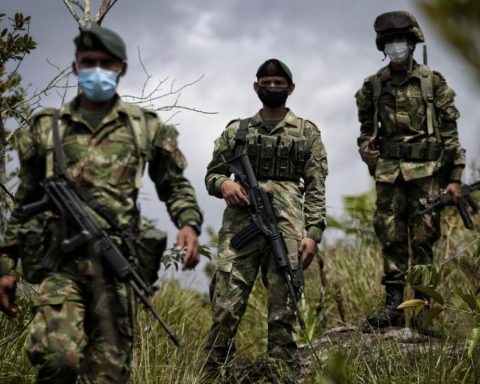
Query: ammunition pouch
column 150, row 243
column 277, row 157
column 411, row 151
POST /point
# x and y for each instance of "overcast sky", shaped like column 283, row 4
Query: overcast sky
column 328, row 45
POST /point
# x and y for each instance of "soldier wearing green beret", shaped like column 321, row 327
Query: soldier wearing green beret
column 84, row 315
column 409, row 140
column 290, row 161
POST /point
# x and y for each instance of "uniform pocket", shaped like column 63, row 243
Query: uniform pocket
column 283, row 164
column 150, row 245
column 266, row 164
column 120, row 156
column 32, row 249
column 225, row 254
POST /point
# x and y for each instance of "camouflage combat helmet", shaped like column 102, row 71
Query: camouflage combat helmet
column 397, row 23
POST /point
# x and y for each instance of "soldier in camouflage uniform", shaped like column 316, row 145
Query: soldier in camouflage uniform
column 289, row 160
column 408, row 138
column 84, row 316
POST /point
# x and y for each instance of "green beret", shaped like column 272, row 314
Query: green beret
column 101, row 39
column 274, row 67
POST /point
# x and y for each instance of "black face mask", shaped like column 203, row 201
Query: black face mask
column 272, row 97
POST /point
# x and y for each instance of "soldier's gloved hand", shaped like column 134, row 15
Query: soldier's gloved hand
column 369, row 154
column 455, row 190
column 234, row 194
column 187, row 238
column 307, row 250
column 7, row 295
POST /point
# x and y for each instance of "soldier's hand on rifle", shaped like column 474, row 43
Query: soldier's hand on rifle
column 455, row 190
column 307, row 250
column 234, row 194
column 7, row 295
column 187, row 238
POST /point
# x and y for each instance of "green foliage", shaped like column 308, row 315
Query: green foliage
column 358, row 213
column 473, row 341
column 15, row 43
column 425, row 275
column 14, row 365
column 458, row 21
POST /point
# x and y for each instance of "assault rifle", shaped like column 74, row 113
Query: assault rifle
column 66, row 198
column 264, row 223
column 466, row 201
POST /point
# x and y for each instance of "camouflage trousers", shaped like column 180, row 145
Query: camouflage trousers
column 229, row 291
column 397, row 224
column 81, row 330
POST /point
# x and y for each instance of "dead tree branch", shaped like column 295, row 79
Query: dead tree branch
column 103, row 10
column 69, row 4
column 149, row 97
column 84, row 18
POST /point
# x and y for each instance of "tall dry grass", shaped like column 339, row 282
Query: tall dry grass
column 353, row 268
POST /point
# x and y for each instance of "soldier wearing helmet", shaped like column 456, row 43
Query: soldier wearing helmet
column 409, row 140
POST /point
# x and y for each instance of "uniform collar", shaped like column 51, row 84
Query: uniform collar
column 385, row 73
column 289, row 120
column 70, row 110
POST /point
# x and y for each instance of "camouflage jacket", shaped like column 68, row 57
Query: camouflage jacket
column 402, row 116
column 106, row 162
column 299, row 204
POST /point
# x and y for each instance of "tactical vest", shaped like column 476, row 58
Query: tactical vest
column 143, row 139
column 411, row 151
column 274, row 157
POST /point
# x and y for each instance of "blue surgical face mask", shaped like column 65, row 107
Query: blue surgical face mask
column 397, row 52
column 97, row 84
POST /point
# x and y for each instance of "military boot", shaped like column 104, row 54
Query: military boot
column 418, row 323
column 389, row 316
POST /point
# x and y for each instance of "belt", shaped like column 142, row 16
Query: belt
column 410, row 151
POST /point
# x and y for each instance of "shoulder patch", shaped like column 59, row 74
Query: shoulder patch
column 311, row 124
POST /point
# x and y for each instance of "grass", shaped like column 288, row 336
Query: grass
column 353, row 270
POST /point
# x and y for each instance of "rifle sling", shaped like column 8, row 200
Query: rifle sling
column 241, row 137
column 59, row 160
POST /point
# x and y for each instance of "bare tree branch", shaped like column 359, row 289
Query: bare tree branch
column 78, row 4
column 170, row 118
column 148, row 97
column 103, row 10
column 72, row 11
column 193, row 109
column 87, row 17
